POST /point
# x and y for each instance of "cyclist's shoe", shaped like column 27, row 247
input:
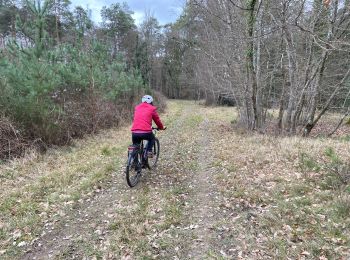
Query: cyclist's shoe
column 150, row 154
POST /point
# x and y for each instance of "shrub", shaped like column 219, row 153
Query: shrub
column 12, row 143
column 160, row 100
column 306, row 162
column 342, row 206
column 66, row 92
column 338, row 169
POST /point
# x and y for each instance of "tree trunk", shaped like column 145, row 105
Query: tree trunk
column 251, row 89
column 311, row 122
column 293, row 85
column 282, row 99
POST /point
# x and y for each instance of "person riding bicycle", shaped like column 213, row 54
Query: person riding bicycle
column 142, row 124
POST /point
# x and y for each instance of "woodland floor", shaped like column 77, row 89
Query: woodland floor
column 217, row 193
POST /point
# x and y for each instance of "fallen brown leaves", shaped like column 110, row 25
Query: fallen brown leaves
column 281, row 211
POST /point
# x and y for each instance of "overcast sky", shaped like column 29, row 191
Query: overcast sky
column 164, row 10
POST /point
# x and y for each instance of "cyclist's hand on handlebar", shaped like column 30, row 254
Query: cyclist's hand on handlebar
column 164, row 128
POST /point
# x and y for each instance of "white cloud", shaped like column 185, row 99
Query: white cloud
column 138, row 17
column 164, row 10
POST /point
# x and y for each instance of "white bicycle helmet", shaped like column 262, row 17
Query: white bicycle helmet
column 147, row 98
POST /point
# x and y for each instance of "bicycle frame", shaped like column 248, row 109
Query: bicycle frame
column 144, row 143
column 143, row 147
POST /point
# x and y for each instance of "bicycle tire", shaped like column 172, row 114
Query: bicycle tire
column 152, row 162
column 133, row 169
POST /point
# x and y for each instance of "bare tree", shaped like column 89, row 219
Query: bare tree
column 278, row 53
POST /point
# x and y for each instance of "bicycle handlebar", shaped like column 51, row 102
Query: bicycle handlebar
column 157, row 128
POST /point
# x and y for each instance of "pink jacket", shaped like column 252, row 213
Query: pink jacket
column 143, row 116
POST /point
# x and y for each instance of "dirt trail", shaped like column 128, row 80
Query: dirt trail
column 86, row 221
column 177, row 202
column 203, row 204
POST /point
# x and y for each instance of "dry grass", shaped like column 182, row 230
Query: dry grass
column 12, row 143
column 289, row 203
column 35, row 187
column 268, row 198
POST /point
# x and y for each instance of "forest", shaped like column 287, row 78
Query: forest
column 63, row 75
column 253, row 164
column 292, row 56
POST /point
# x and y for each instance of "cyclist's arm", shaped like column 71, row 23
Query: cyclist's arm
column 157, row 120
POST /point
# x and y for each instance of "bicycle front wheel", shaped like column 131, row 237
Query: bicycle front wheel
column 133, row 170
column 152, row 162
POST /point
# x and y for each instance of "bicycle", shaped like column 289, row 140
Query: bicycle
column 138, row 159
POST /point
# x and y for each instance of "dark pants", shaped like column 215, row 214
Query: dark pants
column 138, row 137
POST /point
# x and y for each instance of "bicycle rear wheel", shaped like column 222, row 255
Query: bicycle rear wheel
column 133, row 169
column 152, row 162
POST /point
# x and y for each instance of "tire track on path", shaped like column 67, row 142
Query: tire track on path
column 210, row 240
column 202, row 212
